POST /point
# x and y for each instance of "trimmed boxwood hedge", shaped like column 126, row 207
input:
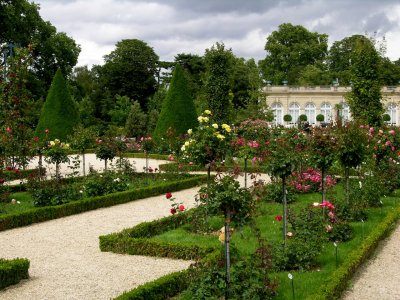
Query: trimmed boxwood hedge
column 135, row 241
column 337, row 283
column 159, row 289
column 41, row 214
column 13, row 271
column 173, row 167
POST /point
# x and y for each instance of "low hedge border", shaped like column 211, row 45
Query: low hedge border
column 52, row 212
column 20, row 174
column 135, row 241
column 159, row 289
column 174, row 167
column 337, row 283
column 13, row 271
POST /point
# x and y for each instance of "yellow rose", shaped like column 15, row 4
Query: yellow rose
column 190, row 131
column 215, row 125
column 207, row 112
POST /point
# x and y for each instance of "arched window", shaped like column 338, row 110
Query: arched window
column 326, row 111
column 310, row 112
column 278, row 113
column 294, row 111
column 345, row 112
column 391, row 110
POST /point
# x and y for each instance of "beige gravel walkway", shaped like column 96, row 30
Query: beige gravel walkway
column 379, row 279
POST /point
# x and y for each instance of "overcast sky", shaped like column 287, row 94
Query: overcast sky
column 171, row 27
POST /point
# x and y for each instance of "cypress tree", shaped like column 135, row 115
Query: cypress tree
column 178, row 111
column 59, row 113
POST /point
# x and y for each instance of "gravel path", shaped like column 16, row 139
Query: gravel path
column 380, row 277
column 66, row 262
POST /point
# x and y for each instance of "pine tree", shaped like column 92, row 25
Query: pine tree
column 178, row 111
column 59, row 113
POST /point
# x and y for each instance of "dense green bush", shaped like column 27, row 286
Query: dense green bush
column 178, row 111
column 273, row 192
column 12, row 271
column 59, row 113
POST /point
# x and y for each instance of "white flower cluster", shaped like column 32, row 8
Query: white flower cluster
column 57, row 142
column 186, row 144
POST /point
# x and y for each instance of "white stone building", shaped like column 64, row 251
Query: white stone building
column 328, row 101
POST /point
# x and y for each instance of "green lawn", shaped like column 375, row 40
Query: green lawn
column 306, row 283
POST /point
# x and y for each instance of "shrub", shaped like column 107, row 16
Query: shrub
column 178, row 111
column 320, row 118
column 12, row 271
column 273, row 192
column 105, row 183
column 287, row 118
column 59, row 112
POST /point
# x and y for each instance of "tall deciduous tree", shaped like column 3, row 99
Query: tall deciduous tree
column 289, row 50
column 178, row 111
column 22, row 26
column 59, row 113
column 365, row 97
column 130, row 71
column 136, row 121
column 218, row 79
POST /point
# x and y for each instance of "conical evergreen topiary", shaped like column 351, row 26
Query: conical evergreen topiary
column 178, row 111
column 59, row 113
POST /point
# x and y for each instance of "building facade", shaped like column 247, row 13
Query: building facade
column 328, row 101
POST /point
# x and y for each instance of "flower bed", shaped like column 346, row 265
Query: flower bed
column 41, row 214
column 323, row 282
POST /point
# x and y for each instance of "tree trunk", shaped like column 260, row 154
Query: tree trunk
column 245, row 172
column 227, row 253
column 284, row 208
column 347, row 178
column 105, row 164
column 83, row 163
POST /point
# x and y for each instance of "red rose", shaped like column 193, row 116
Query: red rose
column 278, row 218
column 168, row 195
column 46, row 130
column 2, row 180
column 173, row 211
column 181, row 207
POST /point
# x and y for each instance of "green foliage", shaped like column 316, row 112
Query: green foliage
column 320, row 118
column 52, row 212
column 136, row 121
column 119, row 113
column 225, row 196
column 166, row 286
column 217, row 87
column 289, row 50
column 352, row 145
column 82, row 138
column 273, row 192
column 365, row 97
column 105, row 183
column 16, row 113
column 130, row 70
column 22, row 25
column 333, row 287
column 386, row 118
column 59, row 113
column 13, row 271
column 208, row 144
column 287, row 118
column 178, row 111
column 303, row 118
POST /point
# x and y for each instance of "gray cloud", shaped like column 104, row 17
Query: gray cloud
column 176, row 26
